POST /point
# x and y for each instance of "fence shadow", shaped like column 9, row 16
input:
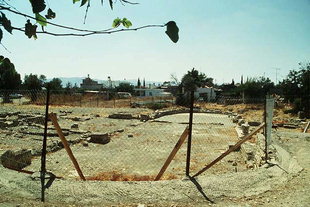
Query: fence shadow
column 199, row 188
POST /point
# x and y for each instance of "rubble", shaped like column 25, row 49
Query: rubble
column 99, row 138
column 16, row 159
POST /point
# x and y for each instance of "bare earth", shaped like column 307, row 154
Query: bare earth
column 284, row 184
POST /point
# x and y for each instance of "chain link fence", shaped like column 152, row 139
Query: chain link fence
column 124, row 139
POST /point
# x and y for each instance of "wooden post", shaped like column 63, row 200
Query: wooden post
column 173, row 153
column 231, row 149
column 53, row 118
column 306, row 128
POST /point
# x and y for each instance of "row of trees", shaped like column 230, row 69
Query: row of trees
column 10, row 79
column 295, row 88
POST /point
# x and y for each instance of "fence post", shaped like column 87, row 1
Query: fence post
column 269, row 105
column 189, row 141
column 43, row 153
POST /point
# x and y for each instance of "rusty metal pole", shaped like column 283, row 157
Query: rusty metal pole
column 189, row 141
column 43, row 153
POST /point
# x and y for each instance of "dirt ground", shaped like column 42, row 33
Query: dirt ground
column 283, row 184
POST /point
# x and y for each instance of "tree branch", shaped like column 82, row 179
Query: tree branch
column 91, row 32
column 50, row 23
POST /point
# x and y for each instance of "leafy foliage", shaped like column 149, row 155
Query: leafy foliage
column 55, row 84
column 172, row 31
column 6, row 23
column 50, row 14
column 193, row 79
column 33, row 82
column 116, row 22
column 126, row 23
column 296, row 88
column 9, row 78
column 41, row 20
column 256, row 88
column 30, row 30
column 39, row 6
column 125, row 87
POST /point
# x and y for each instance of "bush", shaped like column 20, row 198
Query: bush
column 182, row 100
column 156, row 106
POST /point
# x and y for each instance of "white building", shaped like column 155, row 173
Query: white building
column 207, row 93
column 151, row 92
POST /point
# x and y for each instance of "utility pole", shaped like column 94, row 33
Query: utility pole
column 277, row 69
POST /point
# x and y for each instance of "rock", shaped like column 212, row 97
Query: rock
column 290, row 126
column 144, row 117
column 5, row 124
column 120, row 130
column 4, row 115
column 16, row 159
column 236, row 118
column 241, row 111
column 121, row 116
column 254, row 123
column 245, row 128
column 100, row 138
column 96, row 115
column 301, row 114
column 130, row 135
column 85, row 144
column 38, row 119
column 74, row 126
column 241, row 121
column 76, row 119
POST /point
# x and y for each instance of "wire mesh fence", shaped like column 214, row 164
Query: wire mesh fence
column 124, row 139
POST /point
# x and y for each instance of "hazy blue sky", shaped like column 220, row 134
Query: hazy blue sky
column 222, row 38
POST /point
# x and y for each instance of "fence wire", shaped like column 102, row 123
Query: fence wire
column 124, row 139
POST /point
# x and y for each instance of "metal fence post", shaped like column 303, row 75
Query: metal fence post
column 43, row 153
column 189, row 141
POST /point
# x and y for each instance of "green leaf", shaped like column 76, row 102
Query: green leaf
column 37, row 5
column 41, row 20
column 50, row 14
column 1, row 35
column 116, row 22
column 74, row 1
column 6, row 23
column 111, row 4
column 172, row 31
column 84, row 2
column 126, row 23
column 30, row 30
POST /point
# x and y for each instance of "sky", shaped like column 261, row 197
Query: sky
column 223, row 39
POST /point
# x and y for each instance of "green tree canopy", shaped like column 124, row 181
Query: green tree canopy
column 9, row 78
column 256, row 88
column 55, row 84
column 296, row 88
column 194, row 79
column 33, row 82
column 125, row 87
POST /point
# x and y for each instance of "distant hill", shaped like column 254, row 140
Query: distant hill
column 79, row 80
